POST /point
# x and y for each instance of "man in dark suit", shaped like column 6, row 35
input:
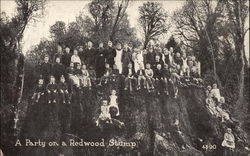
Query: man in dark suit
column 111, row 54
column 100, row 60
column 66, row 57
column 90, row 55
column 46, row 69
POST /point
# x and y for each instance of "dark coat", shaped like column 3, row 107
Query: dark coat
column 45, row 69
column 62, row 86
column 126, row 57
column 66, row 59
column 58, row 70
column 125, row 72
column 158, row 74
column 154, row 65
column 150, row 57
column 100, row 62
column 111, row 54
column 90, row 57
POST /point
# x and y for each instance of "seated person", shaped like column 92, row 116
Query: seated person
column 166, row 76
column 39, row 91
column 63, row 90
column 52, row 90
column 178, row 59
column 158, row 75
column 77, row 73
column 106, row 75
column 141, row 77
column 211, row 105
column 85, row 80
column 114, row 73
column 75, row 58
column 228, row 142
column 129, row 76
column 149, row 74
column 216, row 92
column 113, row 102
column 104, row 115
column 156, row 62
column 195, row 77
column 222, row 113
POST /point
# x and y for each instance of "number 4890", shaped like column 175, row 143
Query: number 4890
column 208, row 147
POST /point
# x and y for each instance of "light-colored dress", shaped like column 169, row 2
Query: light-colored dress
column 228, row 141
column 113, row 103
column 118, row 60
column 216, row 93
column 75, row 59
column 104, row 113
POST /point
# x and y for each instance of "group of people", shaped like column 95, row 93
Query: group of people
column 214, row 102
column 153, row 68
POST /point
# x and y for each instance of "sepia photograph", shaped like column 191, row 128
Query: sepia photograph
column 124, row 78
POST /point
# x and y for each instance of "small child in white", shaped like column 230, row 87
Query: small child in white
column 228, row 142
column 216, row 92
column 104, row 115
column 113, row 101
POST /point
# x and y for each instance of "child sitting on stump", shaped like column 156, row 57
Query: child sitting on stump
column 141, row 77
column 104, row 115
column 85, row 77
column 113, row 102
column 52, row 90
column 129, row 73
column 149, row 77
column 39, row 91
column 63, row 90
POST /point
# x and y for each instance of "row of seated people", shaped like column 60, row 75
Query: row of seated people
column 157, row 77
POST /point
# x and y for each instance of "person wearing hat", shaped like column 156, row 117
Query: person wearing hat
column 228, row 142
